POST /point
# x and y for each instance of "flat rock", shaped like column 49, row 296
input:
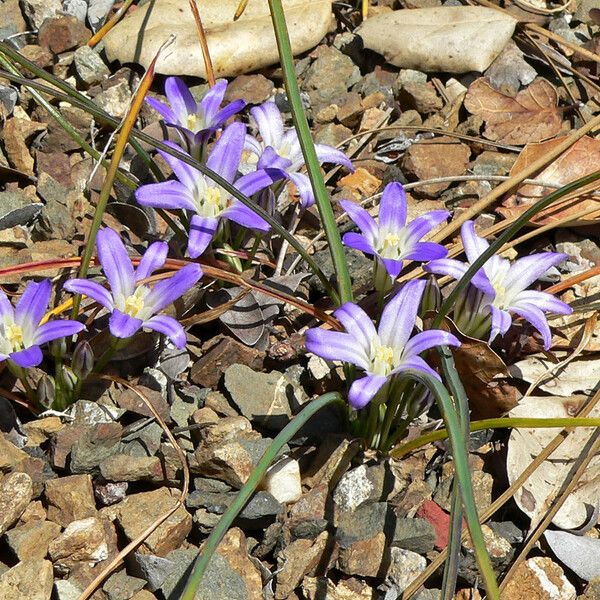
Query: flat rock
column 17, row 208
column 63, row 33
column 16, row 490
column 539, row 578
column 37, row 11
column 31, row 540
column 121, row 586
column 405, row 566
column 123, row 467
column 139, row 511
column 232, row 45
column 366, row 557
column 252, row 89
column 96, row 444
column 70, row 499
column 29, row 579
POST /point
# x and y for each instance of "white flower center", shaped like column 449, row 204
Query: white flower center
column 194, row 122
column 391, row 244
column 14, row 335
column 212, row 202
column 382, row 359
column 134, row 305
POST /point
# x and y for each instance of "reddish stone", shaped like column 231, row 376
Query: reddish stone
column 63, row 33
column 439, row 519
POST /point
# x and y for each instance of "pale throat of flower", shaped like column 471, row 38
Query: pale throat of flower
column 391, row 245
column 194, row 122
column 213, row 202
column 382, row 358
column 134, row 304
column 14, row 335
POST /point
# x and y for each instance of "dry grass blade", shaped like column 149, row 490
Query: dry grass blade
column 414, row 587
column 213, row 313
column 97, row 37
column 587, row 454
column 91, row 588
column 208, row 66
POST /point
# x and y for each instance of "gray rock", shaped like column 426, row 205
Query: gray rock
column 207, row 485
column 359, row 266
column 66, row 590
column 416, row 535
column 39, row 10
column 365, row 522
column 92, row 413
column 261, row 397
column 76, row 8
column 96, row 444
column 8, row 98
column 155, row 569
column 115, row 100
column 90, row 68
column 404, row 567
column 121, row 586
column 97, row 12
column 17, row 208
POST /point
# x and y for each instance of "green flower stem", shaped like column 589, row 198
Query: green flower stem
column 20, row 373
column 463, row 475
column 284, row 436
column 506, row 236
column 501, row 423
column 308, row 150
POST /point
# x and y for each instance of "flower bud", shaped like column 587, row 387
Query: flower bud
column 58, row 347
column 83, row 360
column 432, row 297
column 45, row 391
column 68, row 378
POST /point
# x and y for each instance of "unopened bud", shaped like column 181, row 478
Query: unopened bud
column 69, row 379
column 83, row 360
column 432, row 297
column 58, row 348
column 45, row 391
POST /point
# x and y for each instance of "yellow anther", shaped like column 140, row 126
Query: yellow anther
column 213, row 196
column 192, row 121
column 14, row 334
column 385, row 355
column 391, row 239
column 133, row 305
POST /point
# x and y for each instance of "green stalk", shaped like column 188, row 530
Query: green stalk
column 284, row 436
column 308, row 150
column 500, row 423
column 506, row 236
column 461, row 465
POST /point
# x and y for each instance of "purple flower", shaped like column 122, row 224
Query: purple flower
column 391, row 240
column 134, row 305
column 384, row 352
column 202, row 196
column 195, row 120
column 504, row 284
column 21, row 334
column 280, row 148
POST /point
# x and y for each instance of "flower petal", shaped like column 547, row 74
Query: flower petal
column 425, row 251
column 447, row 266
column 357, row 323
column 269, row 122
column 363, row 389
column 122, row 325
column 180, row 98
column 365, row 222
column 92, row 290
column 212, row 100
column 536, row 317
column 305, row 190
column 328, row 154
column 116, row 264
column 270, row 158
column 32, row 305
column 154, row 258
column 166, row 291
column 528, row 269
column 245, row 216
column 392, row 266
column 258, row 180
column 6, row 308
column 171, row 195
column 392, row 208
column 163, row 110
column 334, row 345
column 416, row 363
column 169, row 327
column 358, row 242
column 226, row 154
column 425, row 223
column 399, row 316
column 29, row 357
column 543, row 301
column 202, row 231
column 53, row 330
column 184, row 172
column 501, row 322
column 474, row 245
column 251, row 144
column 429, row 339
column 227, row 112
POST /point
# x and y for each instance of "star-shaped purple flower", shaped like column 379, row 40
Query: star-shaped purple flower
column 208, row 201
column 280, row 148
column 132, row 304
column 504, row 285
column 391, row 240
column 195, row 120
column 21, row 334
column 384, row 352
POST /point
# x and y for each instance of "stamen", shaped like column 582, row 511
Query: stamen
column 134, row 304
column 14, row 334
column 383, row 360
column 213, row 196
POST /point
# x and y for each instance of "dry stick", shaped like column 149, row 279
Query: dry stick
column 91, row 588
column 511, row 183
column 573, row 481
column 208, row 66
column 109, row 24
column 414, row 587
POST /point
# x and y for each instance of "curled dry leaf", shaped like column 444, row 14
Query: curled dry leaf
column 235, row 47
column 581, row 159
column 455, row 39
column 531, row 116
column 525, row 444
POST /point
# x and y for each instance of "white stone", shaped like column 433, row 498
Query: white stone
column 405, row 567
column 353, row 489
column 283, row 481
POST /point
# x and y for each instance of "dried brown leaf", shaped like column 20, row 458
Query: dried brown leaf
column 531, row 116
